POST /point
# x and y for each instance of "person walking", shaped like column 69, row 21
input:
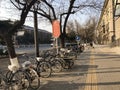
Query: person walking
column 91, row 44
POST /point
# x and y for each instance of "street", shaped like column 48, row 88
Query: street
column 30, row 48
column 95, row 69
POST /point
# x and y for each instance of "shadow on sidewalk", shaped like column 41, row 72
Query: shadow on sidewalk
column 61, row 85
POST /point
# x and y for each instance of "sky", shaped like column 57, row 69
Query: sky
column 7, row 11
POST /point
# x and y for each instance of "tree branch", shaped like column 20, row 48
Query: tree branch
column 24, row 14
column 44, row 15
column 69, row 11
column 53, row 11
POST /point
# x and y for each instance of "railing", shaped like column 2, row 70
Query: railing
column 31, row 46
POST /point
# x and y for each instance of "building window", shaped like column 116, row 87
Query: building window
column 117, row 8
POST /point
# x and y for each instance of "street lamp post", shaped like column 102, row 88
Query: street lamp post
column 36, row 33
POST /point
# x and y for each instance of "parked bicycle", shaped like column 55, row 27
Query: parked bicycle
column 65, row 57
column 18, row 80
column 56, row 65
column 32, row 77
column 42, row 67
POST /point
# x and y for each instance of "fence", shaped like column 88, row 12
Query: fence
column 31, row 46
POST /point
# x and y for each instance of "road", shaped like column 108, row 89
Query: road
column 4, row 61
column 95, row 69
column 31, row 48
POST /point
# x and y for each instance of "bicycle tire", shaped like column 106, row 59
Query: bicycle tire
column 62, row 61
column 2, row 84
column 9, row 74
column 71, row 64
column 44, row 70
column 21, row 80
column 34, row 79
column 56, row 66
column 68, row 64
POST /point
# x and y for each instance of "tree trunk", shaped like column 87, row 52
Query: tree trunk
column 12, row 55
column 62, row 39
column 11, row 49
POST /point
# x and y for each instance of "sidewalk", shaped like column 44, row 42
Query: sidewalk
column 116, row 50
column 97, row 70
column 108, row 71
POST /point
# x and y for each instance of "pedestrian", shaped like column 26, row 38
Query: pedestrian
column 91, row 44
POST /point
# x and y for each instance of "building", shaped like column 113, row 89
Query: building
column 26, row 36
column 108, row 28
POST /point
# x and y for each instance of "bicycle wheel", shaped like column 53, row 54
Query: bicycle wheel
column 62, row 61
column 9, row 74
column 20, row 81
column 72, row 55
column 44, row 69
column 2, row 84
column 34, row 79
column 6, row 83
column 56, row 66
column 68, row 64
column 71, row 63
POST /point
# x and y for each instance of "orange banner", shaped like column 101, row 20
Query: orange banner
column 56, row 28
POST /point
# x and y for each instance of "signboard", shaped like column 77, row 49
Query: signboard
column 56, row 28
column 20, row 33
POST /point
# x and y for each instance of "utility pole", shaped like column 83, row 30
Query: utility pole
column 36, row 33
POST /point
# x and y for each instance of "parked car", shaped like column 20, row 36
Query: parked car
column 3, row 50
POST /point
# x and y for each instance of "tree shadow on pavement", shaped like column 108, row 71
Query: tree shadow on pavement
column 77, row 70
column 61, row 85
column 107, row 56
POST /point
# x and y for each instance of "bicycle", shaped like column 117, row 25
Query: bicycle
column 32, row 76
column 66, row 57
column 14, row 81
column 42, row 67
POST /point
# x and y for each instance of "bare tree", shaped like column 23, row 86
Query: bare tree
column 70, row 31
column 90, row 29
column 8, row 28
column 64, row 10
column 85, row 32
column 61, row 10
